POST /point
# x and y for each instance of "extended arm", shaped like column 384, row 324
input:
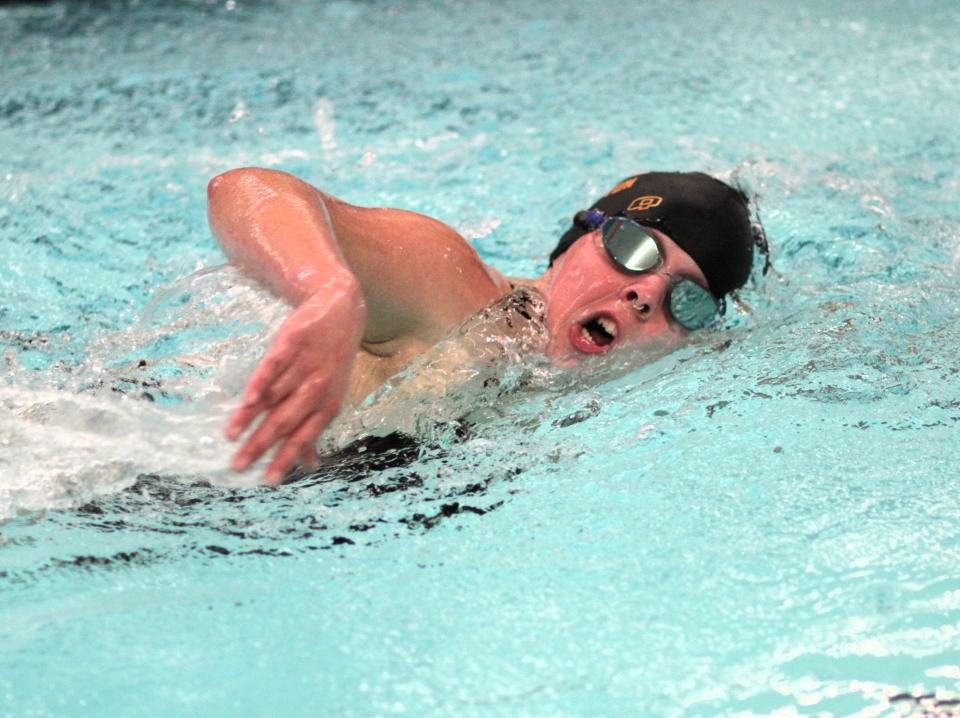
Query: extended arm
column 277, row 229
column 387, row 280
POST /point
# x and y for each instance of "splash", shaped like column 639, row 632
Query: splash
column 149, row 398
column 153, row 398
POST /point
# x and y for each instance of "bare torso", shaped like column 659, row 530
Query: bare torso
column 376, row 363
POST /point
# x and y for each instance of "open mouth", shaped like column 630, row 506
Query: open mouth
column 594, row 335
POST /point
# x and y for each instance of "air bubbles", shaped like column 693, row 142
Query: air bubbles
column 877, row 204
column 238, row 112
column 367, row 160
column 324, row 123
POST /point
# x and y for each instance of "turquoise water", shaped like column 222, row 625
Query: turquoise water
column 764, row 523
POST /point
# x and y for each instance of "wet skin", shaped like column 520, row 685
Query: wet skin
column 373, row 288
column 584, row 285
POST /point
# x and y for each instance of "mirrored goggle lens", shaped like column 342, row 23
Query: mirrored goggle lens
column 693, row 306
column 630, row 246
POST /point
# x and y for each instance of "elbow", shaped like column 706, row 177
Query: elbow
column 224, row 191
column 243, row 185
column 228, row 202
column 232, row 193
column 233, row 182
column 221, row 183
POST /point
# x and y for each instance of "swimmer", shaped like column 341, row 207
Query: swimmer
column 372, row 288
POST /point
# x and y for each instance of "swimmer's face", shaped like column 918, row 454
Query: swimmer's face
column 594, row 308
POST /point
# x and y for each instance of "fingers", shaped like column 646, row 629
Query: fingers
column 270, row 396
column 283, row 385
column 282, row 420
column 275, row 378
column 297, row 443
column 241, row 419
column 277, row 361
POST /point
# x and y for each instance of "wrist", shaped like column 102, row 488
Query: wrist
column 340, row 288
column 311, row 281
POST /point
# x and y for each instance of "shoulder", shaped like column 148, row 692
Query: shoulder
column 420, row 277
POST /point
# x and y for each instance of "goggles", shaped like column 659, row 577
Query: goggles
column 634, row 249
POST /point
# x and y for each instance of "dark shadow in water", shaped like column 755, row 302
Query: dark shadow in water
column 928, row 705
column 375, row 490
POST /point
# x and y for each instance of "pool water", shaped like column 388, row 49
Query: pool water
column 763, row 523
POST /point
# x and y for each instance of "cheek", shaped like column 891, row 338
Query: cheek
column 568, row 282
column 564, row 297
column 656, row 330
column 584, row 287
column 647, row 348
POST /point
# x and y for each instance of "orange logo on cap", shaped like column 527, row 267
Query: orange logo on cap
column 644, row 203
column 626, row 184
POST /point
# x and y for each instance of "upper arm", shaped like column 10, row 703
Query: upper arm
column 419, row 276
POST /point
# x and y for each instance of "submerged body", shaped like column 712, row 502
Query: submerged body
column 373, row 288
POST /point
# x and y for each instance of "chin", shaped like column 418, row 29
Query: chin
column 565, row 357
column 568, row 357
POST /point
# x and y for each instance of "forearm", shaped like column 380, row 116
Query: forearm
column 277, row 229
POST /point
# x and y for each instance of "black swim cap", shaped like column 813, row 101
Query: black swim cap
column 708, row 219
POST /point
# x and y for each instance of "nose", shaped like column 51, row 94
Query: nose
column 646, row 295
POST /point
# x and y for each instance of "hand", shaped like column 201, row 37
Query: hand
column 301, row 381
